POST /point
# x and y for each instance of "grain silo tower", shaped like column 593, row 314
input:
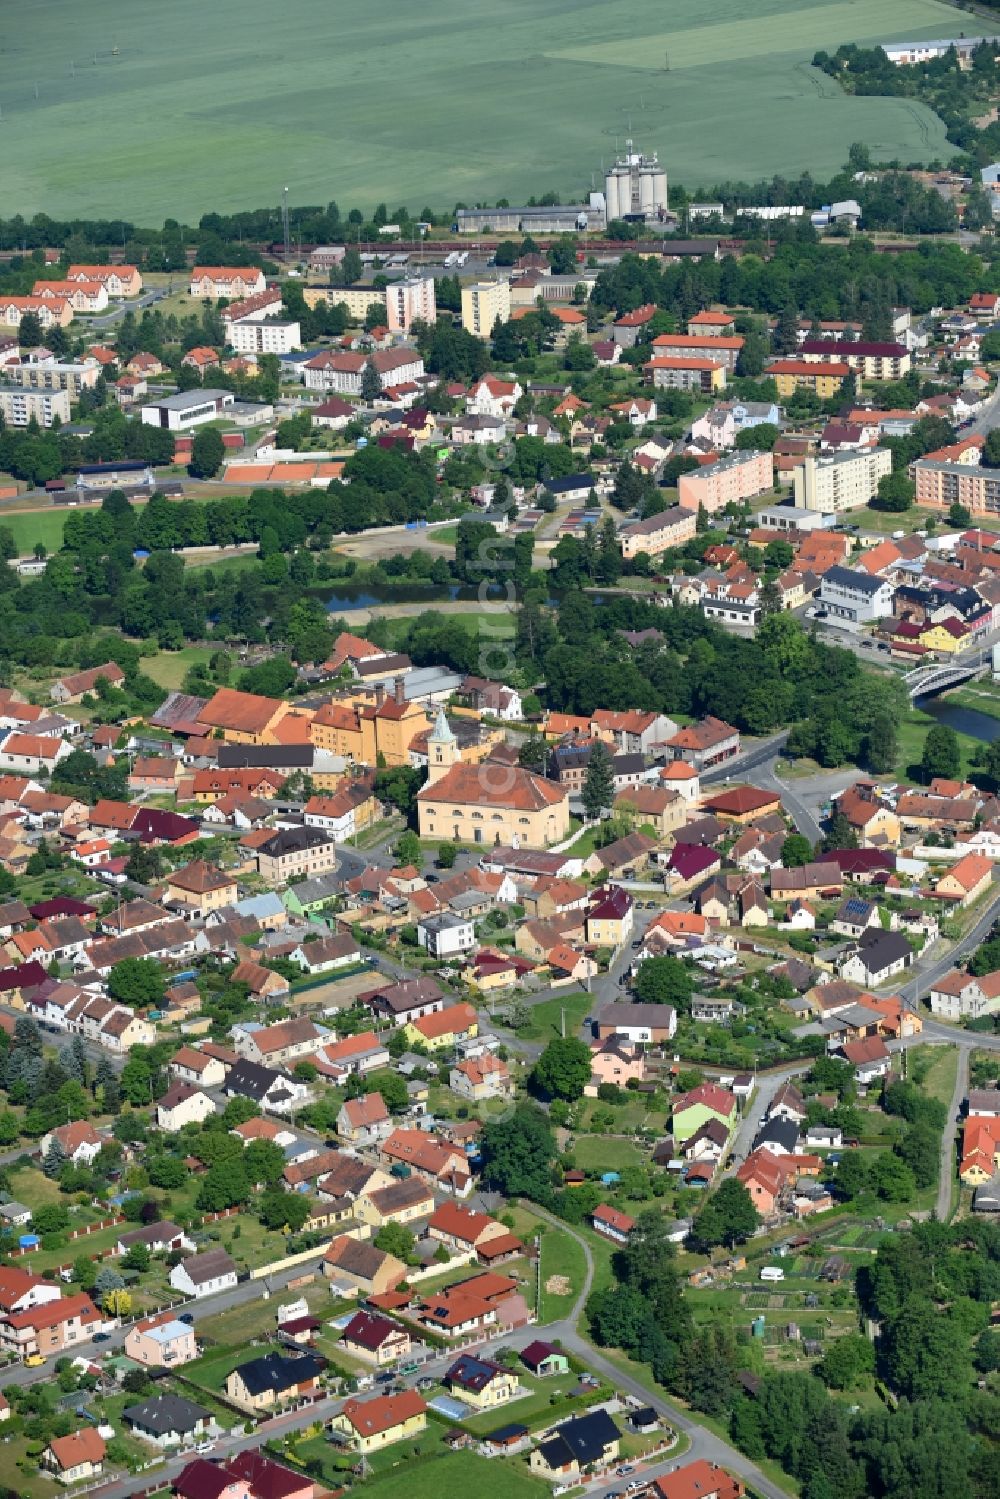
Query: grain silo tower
column 636, row 186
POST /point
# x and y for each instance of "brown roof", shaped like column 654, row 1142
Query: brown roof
column 242, row 712
column 472, row 785
column 83, row 1446
column 198, row 878
column 383, row 1412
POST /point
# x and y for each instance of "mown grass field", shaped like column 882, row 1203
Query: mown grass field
column 139, row 107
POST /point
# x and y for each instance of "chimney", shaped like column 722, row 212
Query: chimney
column 379, row 694
column 400, row 698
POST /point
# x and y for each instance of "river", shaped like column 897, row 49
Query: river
column 963, row 720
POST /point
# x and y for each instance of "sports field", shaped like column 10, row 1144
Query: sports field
column 146, row 109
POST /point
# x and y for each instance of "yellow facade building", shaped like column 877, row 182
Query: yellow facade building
column 488, row 803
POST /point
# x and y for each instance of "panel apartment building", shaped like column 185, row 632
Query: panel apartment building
column 18, row 405
column 941, row 485
column 482, row 304
column 737, row 477
column 670, row 528
column 841, row 481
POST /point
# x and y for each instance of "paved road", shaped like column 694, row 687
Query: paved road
column 767, row 1086
column 946, row 1173
column 704, row 1444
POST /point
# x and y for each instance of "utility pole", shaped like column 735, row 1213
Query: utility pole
column 284, row 220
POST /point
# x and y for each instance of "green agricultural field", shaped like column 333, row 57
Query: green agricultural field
column 150, row 110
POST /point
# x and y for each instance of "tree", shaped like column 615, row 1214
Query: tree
column 563, row 1069
column 408, row 850
column 278, row 1209
column 391, row 1086
column 942, row 754
column 54, row 1161
column 728, row 1217
column 895, row 492
column 395, row 1238
column 139, row 982
column 446, row 855
column 224, row 1185
column 118, row 1302
column 598, row 787
column 517, row 1153
column 371, row 384
column 138, row 1257
column 796, row 851
column 30, row 331
column 207, row 453
column 665, row 981
column 848, row 1363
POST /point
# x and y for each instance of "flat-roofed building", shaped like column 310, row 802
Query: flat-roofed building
column 187, row 408
column 737, row 477
column 842, row 481
column 485, row 303
column 941, row 485
column 18, row 406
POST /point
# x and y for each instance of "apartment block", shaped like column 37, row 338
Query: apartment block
column 18, row 406
column 941, row 485
column 872, row 361
column 483, row 303
column 357, row 299
column 408, row 302
column 737, row 477
column 265, row 336
column 842, row 481
column 824, row 377
column 673, row 373
column 72, row 378
column 670, row 528
column 724, row 349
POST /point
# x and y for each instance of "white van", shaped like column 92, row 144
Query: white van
column 772, row 1272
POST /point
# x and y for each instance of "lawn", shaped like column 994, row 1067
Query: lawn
column 29, row 1186
column 606, row 1153
column 169, row 668
column 109, row 109
column 459, row 1473
column 562, row 1262
column 31, row 526
column 546, row 1017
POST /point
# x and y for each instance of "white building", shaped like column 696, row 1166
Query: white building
column 841, row 481
column 265, row 336
column 204, row 1274
column 18, row 406
column 188, row 408
column 856, row 597
column 446, row 936
column 410, row 301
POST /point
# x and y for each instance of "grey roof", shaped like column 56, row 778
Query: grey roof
column 847, row 578
column 323, row 887
column 165, row 1413
column 251, row 1080
column 879, row 949
column 783, row 1132
column 185, row 398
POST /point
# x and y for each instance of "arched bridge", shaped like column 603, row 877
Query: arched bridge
column 925, row 681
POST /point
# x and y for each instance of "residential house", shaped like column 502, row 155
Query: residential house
column 577, row 1447
column 204, row 1274
column 76, row 1458
column 381, row 1420
column 481, row 1383
column 612, row 1224
column 167, row 1420
column 362, row 1121
column 264, row 1382
column 182, row 1104
column 375, row 1340
column 161, row 1341
column 362, row 1266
